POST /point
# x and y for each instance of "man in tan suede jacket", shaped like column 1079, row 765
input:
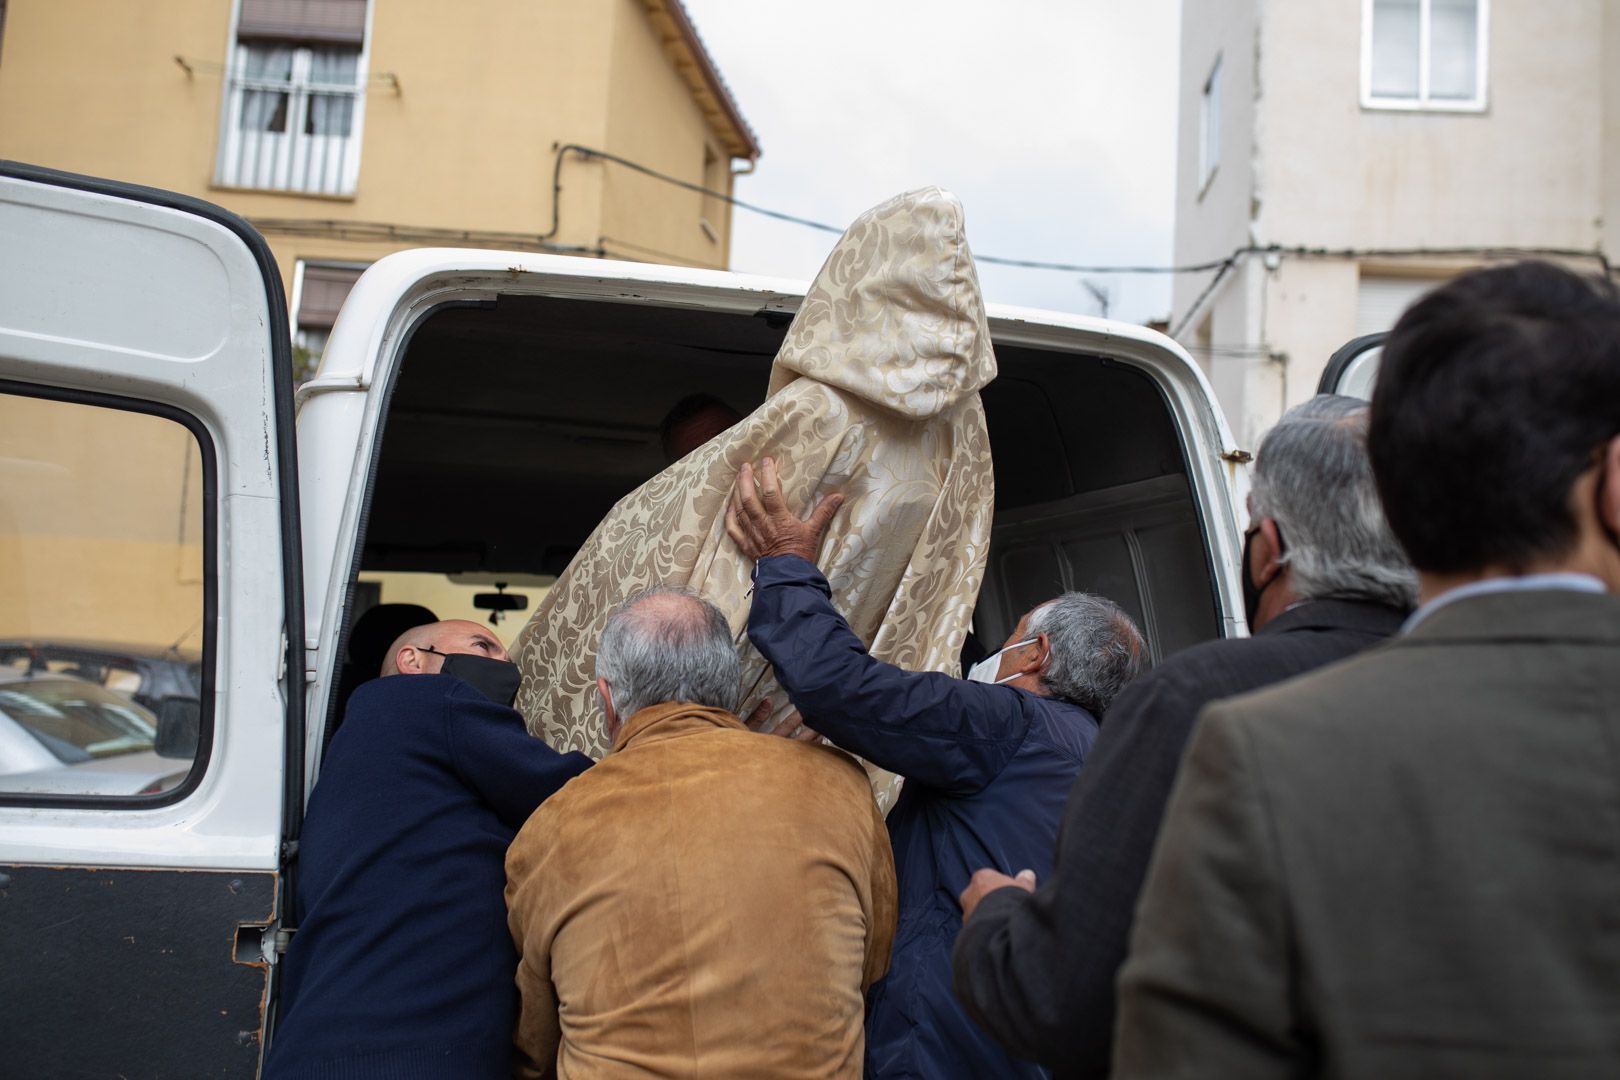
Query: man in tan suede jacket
column 707, row 901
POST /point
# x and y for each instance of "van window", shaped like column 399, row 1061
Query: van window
column 103, row 566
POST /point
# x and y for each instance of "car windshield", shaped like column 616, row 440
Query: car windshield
column 77, row 721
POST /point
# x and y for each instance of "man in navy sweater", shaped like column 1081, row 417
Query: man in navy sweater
column 987, row 767
column 402, row 965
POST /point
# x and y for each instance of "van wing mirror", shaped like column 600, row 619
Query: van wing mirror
column 179, row 723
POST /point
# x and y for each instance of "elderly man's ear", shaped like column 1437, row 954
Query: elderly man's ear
column 1265, row 558
column 614, row 722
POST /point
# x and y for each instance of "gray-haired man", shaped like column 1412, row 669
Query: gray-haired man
column 1323, row 578
column 711, row 902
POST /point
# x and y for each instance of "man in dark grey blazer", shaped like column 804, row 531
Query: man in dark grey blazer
column 1324, row 579
column 1408, row 864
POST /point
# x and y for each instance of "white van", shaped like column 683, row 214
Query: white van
column 475, row 411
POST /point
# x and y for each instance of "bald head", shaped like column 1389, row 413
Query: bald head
column 421, row 650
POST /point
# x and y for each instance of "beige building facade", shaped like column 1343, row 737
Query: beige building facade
column 347, row 129
column 1336, row 159
column 343, row 130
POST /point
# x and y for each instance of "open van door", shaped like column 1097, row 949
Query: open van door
column 1353, row 369
column 151, row 699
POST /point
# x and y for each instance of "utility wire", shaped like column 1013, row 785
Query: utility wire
column 1222, row 265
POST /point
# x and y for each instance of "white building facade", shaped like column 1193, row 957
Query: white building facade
column 1336, row 158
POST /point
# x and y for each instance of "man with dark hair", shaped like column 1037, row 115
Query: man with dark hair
column 707, row 901
column 401, row 965
column 1406, row 865
column 1323, row 579
column 986, row 767
column 693, row 421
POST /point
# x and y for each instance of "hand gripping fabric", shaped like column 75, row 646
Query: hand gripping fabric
column 874, row 393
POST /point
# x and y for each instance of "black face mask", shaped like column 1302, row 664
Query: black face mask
column 1251, row 591
column 497, row 680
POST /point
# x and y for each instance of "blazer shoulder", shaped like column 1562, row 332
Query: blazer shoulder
column 1362, row 684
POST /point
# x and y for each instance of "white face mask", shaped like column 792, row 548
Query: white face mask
column 985, row 670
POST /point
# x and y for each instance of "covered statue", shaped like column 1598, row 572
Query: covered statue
column 874, row 393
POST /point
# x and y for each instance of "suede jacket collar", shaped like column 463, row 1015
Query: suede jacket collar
column 671, row 720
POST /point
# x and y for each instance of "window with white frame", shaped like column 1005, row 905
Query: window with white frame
column 1209, row 126
column 1424, row 54
column 295, row 97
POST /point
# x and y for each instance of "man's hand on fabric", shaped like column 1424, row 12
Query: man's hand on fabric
column 759, row 522
column 987, row 881
column 791, row 726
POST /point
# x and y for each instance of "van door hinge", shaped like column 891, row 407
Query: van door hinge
column 1237, row 457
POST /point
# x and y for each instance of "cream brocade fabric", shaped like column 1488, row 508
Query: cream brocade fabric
column 874, row 393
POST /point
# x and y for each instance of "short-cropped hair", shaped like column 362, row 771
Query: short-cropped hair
column 668, row 645
column 1314, row 478
column 1493, row 393
column 1096, row 649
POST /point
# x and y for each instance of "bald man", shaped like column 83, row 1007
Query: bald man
column 402, row 964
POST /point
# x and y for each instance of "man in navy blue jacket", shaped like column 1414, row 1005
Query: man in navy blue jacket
column 988, row 767
column 402, row 964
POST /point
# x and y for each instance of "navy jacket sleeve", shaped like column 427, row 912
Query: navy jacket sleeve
column 1037, row 971
column 932, row 729
column 494, row 754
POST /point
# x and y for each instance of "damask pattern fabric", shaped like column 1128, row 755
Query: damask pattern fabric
column 874, row 393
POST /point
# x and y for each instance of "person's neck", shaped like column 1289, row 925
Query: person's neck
column 1591, row 558
column 1277, row 598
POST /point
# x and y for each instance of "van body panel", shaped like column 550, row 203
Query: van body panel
column 148, row 994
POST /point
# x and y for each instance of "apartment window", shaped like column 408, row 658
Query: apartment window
column 294, row 97
column 320, row 289
column 1209, row 126
column 1424, row 54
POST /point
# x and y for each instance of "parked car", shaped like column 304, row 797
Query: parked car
column 64, row 735
column 145, row 675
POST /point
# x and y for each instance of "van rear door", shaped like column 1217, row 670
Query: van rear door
column 148, row 550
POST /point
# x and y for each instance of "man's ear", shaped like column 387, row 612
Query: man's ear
column 408, row 660
column 606, row 694
column 1266, row 557
column 1608, row 496
column 1042, row 653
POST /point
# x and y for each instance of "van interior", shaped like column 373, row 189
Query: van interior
column 513, row 426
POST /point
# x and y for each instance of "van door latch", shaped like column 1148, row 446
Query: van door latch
column 260, row 944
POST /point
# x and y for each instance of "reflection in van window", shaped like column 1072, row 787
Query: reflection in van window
column 102, row 568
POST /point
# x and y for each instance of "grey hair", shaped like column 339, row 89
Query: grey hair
column 1314, row 478
column 1095, row 649
column 667, row 644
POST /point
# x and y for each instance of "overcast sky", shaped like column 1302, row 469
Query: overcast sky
column 1053, row 120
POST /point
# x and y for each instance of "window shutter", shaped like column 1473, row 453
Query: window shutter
column 325, row 289
column 331, row 22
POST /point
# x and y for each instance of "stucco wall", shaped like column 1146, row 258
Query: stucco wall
column 1211, row 221
column 1526, row 171
column 486, row 91
column 645, row 85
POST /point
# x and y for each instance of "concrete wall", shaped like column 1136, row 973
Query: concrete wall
column 1211, row 221
column 1539, row 167
column 1526, row 171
